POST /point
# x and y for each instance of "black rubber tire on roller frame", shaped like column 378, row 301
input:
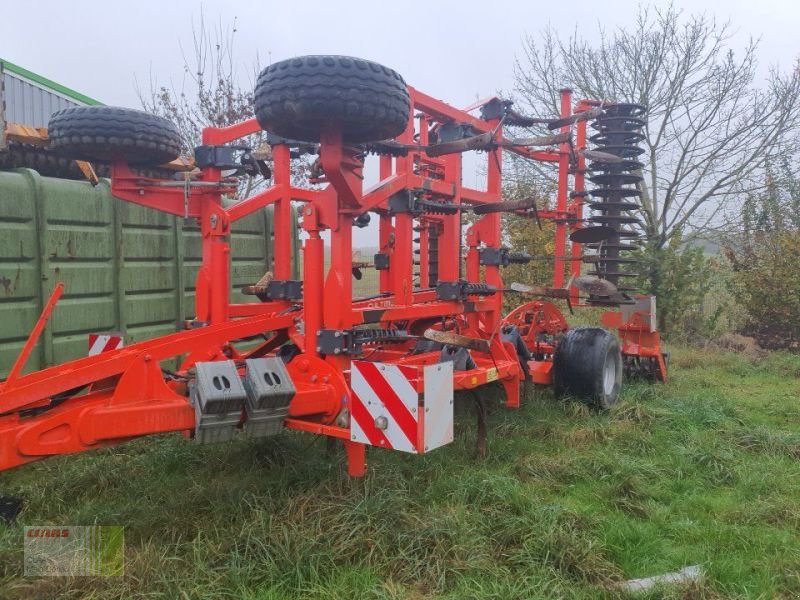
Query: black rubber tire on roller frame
column 105, row 133
column 588, row 365
column 298, row 97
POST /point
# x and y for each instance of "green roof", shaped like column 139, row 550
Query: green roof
column 46, row 83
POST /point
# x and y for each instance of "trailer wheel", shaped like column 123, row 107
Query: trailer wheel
column 105, row 133
column 296, row 98
column 588, row 364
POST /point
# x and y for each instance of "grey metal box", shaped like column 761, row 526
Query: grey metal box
column 260, row 426
column 215, row 427
column 268, row 384
column 218, row 387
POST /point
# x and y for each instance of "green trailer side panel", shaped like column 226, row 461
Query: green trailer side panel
column 126, row 268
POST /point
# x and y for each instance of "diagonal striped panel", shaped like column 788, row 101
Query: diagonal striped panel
column 385, row 406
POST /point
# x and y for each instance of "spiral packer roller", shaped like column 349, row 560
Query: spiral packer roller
column 615, row 197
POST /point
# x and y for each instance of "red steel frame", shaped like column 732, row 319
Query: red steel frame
column 121, row 394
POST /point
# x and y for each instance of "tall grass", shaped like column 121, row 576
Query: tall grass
column 568, row 503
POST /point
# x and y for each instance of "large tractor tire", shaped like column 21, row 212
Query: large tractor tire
column 297, row 98
column 106, row 133
column 588, row 365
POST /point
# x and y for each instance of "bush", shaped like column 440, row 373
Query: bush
column 678, row 276
column 767, row 284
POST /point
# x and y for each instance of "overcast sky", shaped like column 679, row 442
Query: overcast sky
column 455, row 50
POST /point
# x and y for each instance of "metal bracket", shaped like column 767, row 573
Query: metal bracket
column 401, row 202
column 381, row 261
column 495, row 109
column 450, row 132
column 460, row 357
column 221, row 157
column 282, row 289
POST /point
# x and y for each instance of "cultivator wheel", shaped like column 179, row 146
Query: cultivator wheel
column 107, row 133
column 588, row 365
column 615, row 197
column 299, row 97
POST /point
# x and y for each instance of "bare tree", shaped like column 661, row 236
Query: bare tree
column 209, row 93
column 711, row 129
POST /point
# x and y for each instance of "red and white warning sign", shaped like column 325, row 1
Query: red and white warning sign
column 386, row 410
column 103, row 342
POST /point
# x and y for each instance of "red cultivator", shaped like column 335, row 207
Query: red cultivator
column 375, row 371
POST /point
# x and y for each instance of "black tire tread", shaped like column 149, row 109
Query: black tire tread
column 294, row 97
column 103, row 133
column 578, row 364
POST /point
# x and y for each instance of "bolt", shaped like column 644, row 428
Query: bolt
column 337, row 351
column 319, row 348
column 141, row 192
column 313, row 379
column 337, row 334
column 352, row 437
column 325, row 379
column 213, row 221
column 381, row 423
column 147, row 358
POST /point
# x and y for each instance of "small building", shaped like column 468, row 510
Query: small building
column 29, row 99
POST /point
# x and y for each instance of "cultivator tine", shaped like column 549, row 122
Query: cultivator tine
column 483, row 141
column 260, row 287
column 538, row 290
column 545, row 140
column 581, row 116
column 481, row 413
column 455, row 339
column 528, row 203
column 518, row 120
column 476, row 142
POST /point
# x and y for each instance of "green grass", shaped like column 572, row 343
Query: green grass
column 568, row 503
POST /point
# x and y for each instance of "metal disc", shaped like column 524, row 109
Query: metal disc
column 592, row 235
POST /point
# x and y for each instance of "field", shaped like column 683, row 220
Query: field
column 568, row 503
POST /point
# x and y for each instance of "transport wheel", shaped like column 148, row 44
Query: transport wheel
column 105, row 133
column 296, row 98
column 588, row 364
